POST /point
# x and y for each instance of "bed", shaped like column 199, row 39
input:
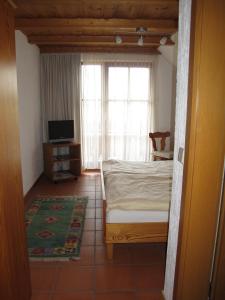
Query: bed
column 136, row 201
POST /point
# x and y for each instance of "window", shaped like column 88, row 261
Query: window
column 127, row 113
column 115, row 113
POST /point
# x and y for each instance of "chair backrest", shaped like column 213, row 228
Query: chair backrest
column 159, row 135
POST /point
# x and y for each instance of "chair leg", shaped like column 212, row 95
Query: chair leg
column 109, row 249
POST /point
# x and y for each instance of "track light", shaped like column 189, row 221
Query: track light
column 141, row 30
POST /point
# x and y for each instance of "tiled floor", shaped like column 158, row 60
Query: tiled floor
column 136, row 272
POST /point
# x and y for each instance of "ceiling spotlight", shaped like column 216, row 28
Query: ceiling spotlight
column 141, row 30
column 118, row 40
column 140, row 41
column 163, row 40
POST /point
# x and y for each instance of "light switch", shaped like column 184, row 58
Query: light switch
column 181, row 155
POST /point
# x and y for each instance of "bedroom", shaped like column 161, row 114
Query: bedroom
column 36, row 132
column 165, row 71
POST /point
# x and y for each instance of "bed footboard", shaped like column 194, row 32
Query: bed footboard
column 109, row 250
column 136, row 232
column 114, row 233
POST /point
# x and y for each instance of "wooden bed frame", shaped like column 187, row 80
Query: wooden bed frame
column 149, row 232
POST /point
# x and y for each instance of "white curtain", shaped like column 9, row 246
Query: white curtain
column 117, row 111
column 60, row 90
column 91, row 115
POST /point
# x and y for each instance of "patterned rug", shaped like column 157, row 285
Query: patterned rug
column 54, row 227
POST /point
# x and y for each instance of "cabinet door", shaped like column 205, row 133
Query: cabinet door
column 48, row 160
column 75, row 165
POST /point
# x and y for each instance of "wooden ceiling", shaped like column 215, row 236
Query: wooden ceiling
column 92, row 25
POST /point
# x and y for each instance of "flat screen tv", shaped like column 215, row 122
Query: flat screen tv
column 60, row 131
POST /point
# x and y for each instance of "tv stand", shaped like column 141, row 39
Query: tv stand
column 61, row 142
column 54, row 158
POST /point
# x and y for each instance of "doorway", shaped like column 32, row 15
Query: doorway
column 210, row 9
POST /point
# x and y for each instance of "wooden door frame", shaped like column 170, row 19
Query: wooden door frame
column 199, row 206
column 15, row 274
column 218, row 274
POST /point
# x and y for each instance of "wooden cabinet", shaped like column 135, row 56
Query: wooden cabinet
column 62, row 161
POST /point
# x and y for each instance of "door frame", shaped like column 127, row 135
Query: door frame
column 15, row 274
column 190, row 168
column 205, row 144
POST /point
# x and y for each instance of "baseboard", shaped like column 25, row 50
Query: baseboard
column 27, row 197
column 163, row 295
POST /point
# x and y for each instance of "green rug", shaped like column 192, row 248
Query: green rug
column 54, row 227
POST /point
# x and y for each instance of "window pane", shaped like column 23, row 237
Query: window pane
column 139, row 83
column 91, row 133
column 118, row 83
column 116, row 114
column 116, row 127
column 137, row 118
column 91, row 115
column 137, row 131
column 91, row 78
column 127, row 131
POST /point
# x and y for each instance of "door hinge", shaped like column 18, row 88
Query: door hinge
column 210, row 291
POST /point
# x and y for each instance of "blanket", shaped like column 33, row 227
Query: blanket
column 138, row 186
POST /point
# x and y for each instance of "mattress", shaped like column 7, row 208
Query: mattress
column 136, row 216
column 136, row 186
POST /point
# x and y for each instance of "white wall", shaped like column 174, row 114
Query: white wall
column 180, row 133
column 165, row 95
column 170, row 52
column 28, row 80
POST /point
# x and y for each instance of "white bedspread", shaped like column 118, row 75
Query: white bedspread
column 137, row 185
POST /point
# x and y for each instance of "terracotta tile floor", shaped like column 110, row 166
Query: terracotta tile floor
column 136, row 272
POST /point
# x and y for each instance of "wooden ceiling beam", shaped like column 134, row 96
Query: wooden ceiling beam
column 94, row 40
column 129, row 9
column 154, row 25
column 98, row 44
column 90, row 31
column 72, row 49
column 63, row 2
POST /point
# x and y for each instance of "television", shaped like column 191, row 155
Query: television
column 60, row 131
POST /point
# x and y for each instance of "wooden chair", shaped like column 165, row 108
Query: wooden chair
column 160, row 154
